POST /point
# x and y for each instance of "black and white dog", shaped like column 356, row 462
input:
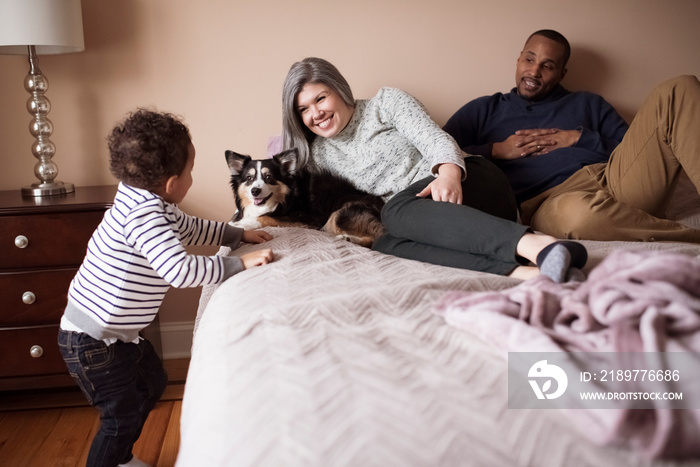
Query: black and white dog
column 276, row 192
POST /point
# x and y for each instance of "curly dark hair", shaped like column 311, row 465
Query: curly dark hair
column 147, row 148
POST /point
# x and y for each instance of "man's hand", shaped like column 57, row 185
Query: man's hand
column 447, row 186
column 534, row 142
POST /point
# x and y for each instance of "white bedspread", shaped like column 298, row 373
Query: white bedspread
column 332, row 356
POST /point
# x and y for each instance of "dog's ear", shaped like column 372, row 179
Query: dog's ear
column 236, row 162
column 288, row 160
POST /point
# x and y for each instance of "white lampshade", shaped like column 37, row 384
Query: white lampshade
column 52, row 26
column 32, row 28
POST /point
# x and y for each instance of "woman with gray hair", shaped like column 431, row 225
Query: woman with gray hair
column 443, row 206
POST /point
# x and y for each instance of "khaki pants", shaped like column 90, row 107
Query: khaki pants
column 623, row 198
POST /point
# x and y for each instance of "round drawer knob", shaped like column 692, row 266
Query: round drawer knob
column 36, row 351
column 28, row 297
column 21, row 241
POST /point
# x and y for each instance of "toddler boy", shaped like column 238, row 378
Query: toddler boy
column 134, row 256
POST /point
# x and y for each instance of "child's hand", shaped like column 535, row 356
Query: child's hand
column 257, row 258
column 256, row 236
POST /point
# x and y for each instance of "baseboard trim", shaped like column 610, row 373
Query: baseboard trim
column 176, row 339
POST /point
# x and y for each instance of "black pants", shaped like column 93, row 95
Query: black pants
column 480, row 234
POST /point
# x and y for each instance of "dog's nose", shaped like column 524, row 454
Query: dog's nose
column 255, row 191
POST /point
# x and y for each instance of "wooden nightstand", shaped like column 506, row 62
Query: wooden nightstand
column 42, row 243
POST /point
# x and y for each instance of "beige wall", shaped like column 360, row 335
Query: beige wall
column 221, row 64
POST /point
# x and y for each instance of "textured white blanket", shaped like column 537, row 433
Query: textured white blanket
column 331, row 356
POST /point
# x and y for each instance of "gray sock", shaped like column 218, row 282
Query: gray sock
column 575, row 275
column 556, row 263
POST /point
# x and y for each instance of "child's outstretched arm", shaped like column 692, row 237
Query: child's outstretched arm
column 256, row 236
column 257, row 258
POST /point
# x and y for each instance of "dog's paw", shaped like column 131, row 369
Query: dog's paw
column 247, row 223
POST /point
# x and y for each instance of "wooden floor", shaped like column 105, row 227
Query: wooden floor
column 56, row 429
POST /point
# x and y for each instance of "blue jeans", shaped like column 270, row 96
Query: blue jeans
column 123, row 381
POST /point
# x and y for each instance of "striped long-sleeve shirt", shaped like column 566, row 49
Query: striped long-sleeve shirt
column 135, row 254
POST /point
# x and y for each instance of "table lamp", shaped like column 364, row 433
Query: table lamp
column 32, row 28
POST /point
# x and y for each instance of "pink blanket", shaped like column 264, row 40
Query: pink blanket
column 634, row 301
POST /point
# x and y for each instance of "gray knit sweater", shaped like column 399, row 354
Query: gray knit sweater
column 389, row 143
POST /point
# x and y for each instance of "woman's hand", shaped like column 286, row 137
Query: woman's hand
column 447, row 186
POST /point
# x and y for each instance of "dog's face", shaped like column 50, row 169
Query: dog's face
column 260, row 186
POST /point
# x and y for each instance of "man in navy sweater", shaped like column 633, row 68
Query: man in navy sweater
column 577, row 169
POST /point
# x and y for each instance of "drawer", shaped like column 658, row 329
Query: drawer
column 16, row 357
column 46, row 293
column 51, row 239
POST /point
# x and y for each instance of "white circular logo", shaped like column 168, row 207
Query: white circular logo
column 541, row 371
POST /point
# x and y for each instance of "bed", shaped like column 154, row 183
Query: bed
column 333, row 356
